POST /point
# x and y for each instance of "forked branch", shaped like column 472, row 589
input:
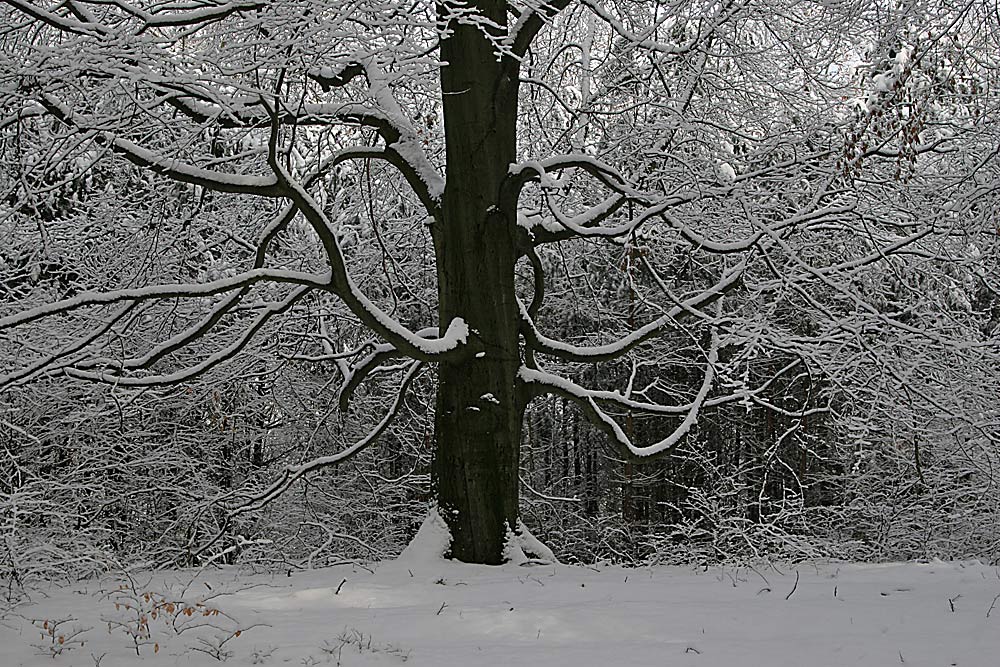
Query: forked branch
column 537, row 383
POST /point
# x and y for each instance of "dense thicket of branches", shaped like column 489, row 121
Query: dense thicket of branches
column 755, row 239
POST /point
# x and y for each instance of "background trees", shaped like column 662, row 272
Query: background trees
column 752, row 237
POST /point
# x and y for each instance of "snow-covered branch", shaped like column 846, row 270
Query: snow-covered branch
column 520, row 174
column 197, row 16
column 531, row 21
column 538, row 342
column 62, row 23
column 356, row 373
column 402, row 147
column 539, row 382
column 84, row 22
column 451, row 344
column 169, row 291
column 111, row 371
column 662, row 22
column 262, row 186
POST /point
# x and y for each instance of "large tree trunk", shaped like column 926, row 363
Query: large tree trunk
column 478, row 417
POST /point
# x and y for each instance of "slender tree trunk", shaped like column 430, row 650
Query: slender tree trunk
column 478, row 415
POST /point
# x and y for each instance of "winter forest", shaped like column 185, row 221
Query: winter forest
column 704, row 291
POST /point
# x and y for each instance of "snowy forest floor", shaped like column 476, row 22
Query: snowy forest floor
column 421, row 611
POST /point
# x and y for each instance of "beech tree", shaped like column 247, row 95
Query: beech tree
column 710, row 145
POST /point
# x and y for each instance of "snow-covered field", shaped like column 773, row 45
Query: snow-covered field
column 420, row 611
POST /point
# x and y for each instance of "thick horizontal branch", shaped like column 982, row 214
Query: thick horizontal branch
column 520, row 174
column 402, row 148
column 193, row 17
column 262, row 186
column 610, row 351
column 180, row 291
column 62, row 23
column 85, row 23
column 538, row 383
column 330, row 77
column 113, row 375
column 249, row 112
column 542, row 230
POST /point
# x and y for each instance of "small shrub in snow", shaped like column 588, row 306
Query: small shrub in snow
column 356, row 640
column 59, row 635
column 147, row 616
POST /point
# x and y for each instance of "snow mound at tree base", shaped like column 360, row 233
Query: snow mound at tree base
column 429, row 547
column 521, row 543
column 430, row 544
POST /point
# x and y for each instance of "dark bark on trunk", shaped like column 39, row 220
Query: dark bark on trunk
column 478, row 415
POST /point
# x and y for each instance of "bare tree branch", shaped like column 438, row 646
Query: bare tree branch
column 179, row 291
column 293, row 473
column 261, row 186
column 539, row 382
column 535, row 340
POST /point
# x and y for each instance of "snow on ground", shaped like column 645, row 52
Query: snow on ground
column 423, row 611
